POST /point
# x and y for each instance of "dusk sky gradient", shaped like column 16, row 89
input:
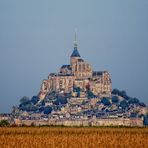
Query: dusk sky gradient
column 36, row 38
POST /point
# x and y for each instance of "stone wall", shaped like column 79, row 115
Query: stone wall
column 99, row 122
column 91, row 122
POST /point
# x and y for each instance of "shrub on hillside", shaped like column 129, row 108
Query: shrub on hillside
column 120, row 93
column 133, row 101
column 123, row 104
column 25, row 100
column 60, row 100
column 47, row 110
column 34, row 99
column 105, row 101
column 115, row 99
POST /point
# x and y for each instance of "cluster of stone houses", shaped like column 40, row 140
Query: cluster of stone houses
column 82, row 112
column 5, row 116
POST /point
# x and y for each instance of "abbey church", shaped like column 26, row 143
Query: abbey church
column 77, row 74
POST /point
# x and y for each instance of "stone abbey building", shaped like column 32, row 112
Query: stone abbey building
column 78, row 74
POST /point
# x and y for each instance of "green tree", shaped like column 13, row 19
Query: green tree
column 24, row 100
column 115, row 99
column 47, row 110
column 105, row 101
column 146, row 120
column 35, row 99
column 4, row 123
column 90, row 94
column 124, row 104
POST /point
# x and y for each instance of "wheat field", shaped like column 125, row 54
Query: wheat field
column 62, row 137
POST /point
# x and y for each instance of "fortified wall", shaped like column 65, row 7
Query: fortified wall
column 91, row 122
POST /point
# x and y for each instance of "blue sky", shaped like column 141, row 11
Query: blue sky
column 36, row 38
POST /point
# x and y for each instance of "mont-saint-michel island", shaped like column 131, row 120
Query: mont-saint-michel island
column 77, row 95
column 73, row 74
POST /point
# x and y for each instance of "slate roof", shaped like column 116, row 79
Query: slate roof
column 80, row 60
column 66, row 66
column 61, row 74
column 75, row 53
column 97, row 73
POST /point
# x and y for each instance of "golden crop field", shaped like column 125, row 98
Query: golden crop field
column 62, row 137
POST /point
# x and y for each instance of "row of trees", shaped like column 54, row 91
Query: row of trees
column 123, row 104
column 34, row 104
column 27, row 104
column 128, row 100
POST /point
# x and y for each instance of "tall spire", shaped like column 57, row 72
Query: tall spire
column 75, row 40
column 75, row 51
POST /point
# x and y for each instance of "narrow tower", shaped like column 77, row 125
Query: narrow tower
column 74, row 56
column 75, row 51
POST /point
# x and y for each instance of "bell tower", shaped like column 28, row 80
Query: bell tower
column 74, row 56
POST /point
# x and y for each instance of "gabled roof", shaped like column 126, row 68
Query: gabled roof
column 66, row 66
column 75, row 53
column 80, row 60
column 97, row 73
